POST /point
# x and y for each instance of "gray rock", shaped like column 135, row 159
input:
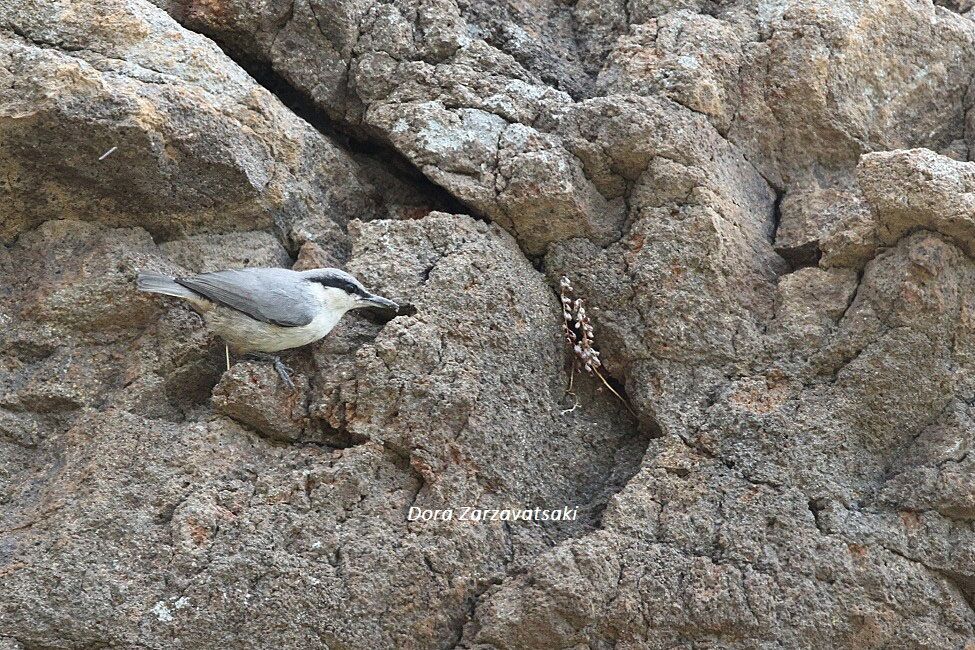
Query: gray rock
column 691, row 58
column 196, row 145
column 255, row 396
column 764, row 207
column 812, row 215
column 207, row 253
column 824, row 82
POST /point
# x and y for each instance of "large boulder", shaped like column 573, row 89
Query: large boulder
column 141, row 123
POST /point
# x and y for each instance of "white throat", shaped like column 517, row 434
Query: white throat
column 332, row 300
column 332, row 305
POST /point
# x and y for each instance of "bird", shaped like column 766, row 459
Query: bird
column 259, row 312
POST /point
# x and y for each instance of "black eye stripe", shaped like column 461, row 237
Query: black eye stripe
column 339, row 283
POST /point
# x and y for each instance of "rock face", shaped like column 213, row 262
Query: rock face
column 765, row 207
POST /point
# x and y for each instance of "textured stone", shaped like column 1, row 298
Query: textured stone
column 478, row 368
column 257, row 397
column 824, row 82
column 679, row 571
column 895, row 193
column 196, row 145
column 915, row 189
column 691, row 58
column 764, row 207
column 207, row 253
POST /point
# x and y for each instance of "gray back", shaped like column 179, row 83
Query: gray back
column 276, row 296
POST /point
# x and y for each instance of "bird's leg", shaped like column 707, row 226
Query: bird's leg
column 284, row 372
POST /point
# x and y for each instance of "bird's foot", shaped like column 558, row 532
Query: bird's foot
column 284, row 372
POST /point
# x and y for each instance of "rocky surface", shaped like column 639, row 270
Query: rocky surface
column 765, row 206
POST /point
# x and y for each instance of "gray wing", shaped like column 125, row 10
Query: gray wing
column 276, row 296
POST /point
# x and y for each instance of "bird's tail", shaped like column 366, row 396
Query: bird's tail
column 158, row 283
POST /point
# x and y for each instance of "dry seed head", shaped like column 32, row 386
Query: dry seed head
column 577, row 327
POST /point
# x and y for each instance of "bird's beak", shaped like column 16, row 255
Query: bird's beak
column 379, row 301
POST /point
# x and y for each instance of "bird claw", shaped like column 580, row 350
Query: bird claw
column 284, row 372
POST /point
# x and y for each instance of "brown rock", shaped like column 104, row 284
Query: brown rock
column 256, row 396
column 797, row 471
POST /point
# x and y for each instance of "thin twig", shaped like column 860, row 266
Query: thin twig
column 613, row 391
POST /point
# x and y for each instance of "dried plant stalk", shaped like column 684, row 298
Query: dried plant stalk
column 580, row 337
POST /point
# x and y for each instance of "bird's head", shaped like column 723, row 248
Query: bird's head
column 339, row 290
